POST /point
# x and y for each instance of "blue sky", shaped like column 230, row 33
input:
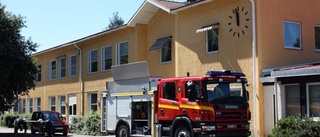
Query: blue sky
column 54, row 22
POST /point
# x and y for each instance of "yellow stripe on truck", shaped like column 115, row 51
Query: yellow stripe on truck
column 186, row 106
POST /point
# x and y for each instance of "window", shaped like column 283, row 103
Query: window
column 93, row 101
column 313, row 100
column 37, row 104
column 23, row 106
column 62, row 105
column 292, row 35
column 212, row 40
column 38, row 77
column 73, row 66
column 106, row 58
column 30, row 103
column 292, row 100
column 169, row 91
column 53, row 70
column 166, row 52
column 93, row 61
column 317, row 37
column 62, row 68
column 52, row 103
column 122, row 53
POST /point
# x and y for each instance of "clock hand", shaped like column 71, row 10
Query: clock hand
column 237, row 17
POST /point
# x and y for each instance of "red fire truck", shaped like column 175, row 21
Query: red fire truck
column 212, row 105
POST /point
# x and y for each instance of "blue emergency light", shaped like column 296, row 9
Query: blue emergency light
column 225, row 73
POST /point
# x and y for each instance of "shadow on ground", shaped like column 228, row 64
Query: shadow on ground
column 27, row 135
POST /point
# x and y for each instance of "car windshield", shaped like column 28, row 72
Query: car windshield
column 222, row 90
column 52, row 116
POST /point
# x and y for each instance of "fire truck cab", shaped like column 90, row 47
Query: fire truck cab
column 215, row 104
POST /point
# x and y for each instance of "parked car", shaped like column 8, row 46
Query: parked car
column 40, row 120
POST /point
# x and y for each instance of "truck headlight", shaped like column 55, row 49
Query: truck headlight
column 208, row 128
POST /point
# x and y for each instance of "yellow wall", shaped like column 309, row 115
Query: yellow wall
column 271, row 52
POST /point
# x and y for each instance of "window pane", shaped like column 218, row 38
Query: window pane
column 94, row 107
column 93, row 98
column 317, row 37
column 213, row 40
column 292, row 35
column 73, row 66
column 38, row 78
column 292, row 100
column 166, row 52
column 169, row 91
column 53, row 70
column 314, row 100
column 107, row 58
column 62, row 68
column 93, row 61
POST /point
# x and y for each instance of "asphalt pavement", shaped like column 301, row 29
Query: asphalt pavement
column 9, row 132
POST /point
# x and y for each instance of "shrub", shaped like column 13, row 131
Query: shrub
column 296, row 126
column 87, row 125
column 7, row 119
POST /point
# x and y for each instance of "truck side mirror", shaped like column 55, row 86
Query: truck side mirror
column 247, row 95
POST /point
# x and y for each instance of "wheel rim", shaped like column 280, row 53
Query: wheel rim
column 183, row 134
column 123, row 132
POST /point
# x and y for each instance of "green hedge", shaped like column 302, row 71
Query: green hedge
column 296, row 126
column 87, row 125
column 7, row 119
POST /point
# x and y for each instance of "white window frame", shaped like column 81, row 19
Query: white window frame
column 103, row 58
column 284, row 35
column 72, row 66
column 161, row 51
column 118, row 52
column 36, row 102
column 61, row 104
column 307, row 97
column 92, row 61
column 62, row 68
column 90, row 104
column 51, row 70
column 316, row 49
column 207, row 40
column 30, row 105
column 50, row 102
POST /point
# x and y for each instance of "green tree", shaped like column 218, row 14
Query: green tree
column 115, row 21
column 17, row 68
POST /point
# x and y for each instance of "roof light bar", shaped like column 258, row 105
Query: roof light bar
column 225, row 73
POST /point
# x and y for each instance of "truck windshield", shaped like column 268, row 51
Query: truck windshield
column 224, row 90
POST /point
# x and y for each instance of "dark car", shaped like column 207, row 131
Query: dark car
column 40, row 120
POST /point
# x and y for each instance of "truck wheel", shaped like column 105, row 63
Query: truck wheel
column 122, row 131
column 182, row 131
column 65, row 133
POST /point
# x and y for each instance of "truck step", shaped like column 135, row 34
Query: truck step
column 139, row 135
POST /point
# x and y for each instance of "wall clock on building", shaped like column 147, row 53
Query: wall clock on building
column 239, row 21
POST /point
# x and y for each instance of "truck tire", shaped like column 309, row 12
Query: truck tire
column 123, row 131
column 32, row 131
column 182, row 131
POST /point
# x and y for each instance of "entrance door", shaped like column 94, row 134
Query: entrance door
column 72, row 107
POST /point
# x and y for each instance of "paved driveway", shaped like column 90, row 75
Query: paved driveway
column 9, row 132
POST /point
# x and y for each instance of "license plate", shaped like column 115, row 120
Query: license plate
column 232, row 126
column 59, row 128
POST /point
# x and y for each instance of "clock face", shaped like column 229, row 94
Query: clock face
column 239, row 20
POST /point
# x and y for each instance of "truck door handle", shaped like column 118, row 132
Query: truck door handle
column 162, row 111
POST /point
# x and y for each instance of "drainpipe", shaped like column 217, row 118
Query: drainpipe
column 80, row 79
column 254, row 54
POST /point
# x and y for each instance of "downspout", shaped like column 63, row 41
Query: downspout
column 80, row 79
column 254, row 74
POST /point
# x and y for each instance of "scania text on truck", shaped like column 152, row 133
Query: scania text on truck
column 212, row 105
